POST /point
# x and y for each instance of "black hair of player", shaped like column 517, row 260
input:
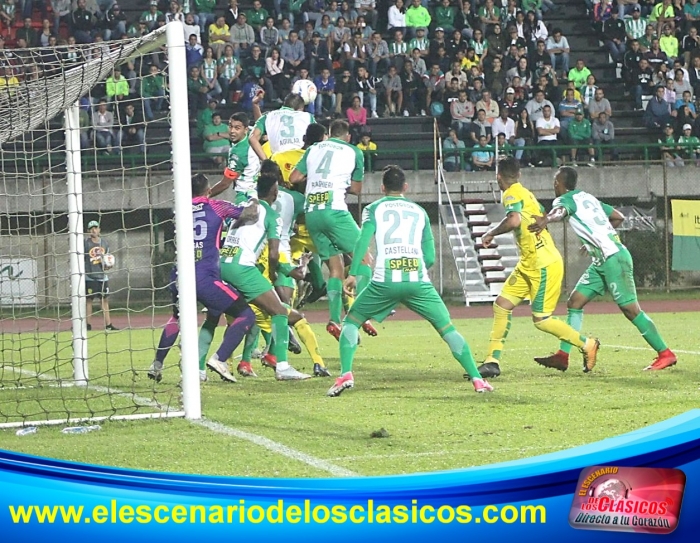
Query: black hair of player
column 268, row 166
column 314, row 133
column 200, row 184
column 393, row 178
column 339, row 128
column 509, row 168
column 295, row 102
column 241, row 118
column 568, row 176
column 266, row 181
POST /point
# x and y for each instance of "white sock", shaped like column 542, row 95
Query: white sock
column 281, row 366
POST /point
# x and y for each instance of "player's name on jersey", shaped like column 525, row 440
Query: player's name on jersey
column 318, row 184
column 296, row 142
column 400, row 250
column 197, row 207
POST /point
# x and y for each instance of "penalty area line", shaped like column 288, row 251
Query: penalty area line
column 278, row 448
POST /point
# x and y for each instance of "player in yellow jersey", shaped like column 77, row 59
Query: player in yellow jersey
column 537, row 276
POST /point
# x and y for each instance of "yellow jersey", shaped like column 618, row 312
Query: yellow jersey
column 536, row 250
column 286, row 160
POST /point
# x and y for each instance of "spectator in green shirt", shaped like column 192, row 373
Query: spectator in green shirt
column 579, row 74
column 416, row 17
column 580, row 134
column 152, row 92
column 204, row 117
column 216, row 140
column 489, row 15
column 257, row 16
column 197, row 90
column 691, row 148
column 445, row 16
column 117, row 87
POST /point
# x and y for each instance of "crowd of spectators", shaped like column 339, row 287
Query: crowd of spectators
column 492, row 71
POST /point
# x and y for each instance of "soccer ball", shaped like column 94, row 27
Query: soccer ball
column 108, row 261
column 306, row 89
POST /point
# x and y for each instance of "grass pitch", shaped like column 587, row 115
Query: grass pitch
column 406, row 383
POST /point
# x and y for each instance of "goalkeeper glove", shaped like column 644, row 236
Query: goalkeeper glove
column 230, row 174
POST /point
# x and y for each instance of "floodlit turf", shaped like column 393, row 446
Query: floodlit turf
column 406, row 383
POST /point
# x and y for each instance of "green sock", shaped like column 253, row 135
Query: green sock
column 206, row 335
column 364, row 275
column 349, row 337
column 335, row 298
column 280, row 337
column 649, row 332
column 251, row 343
column 314, row 267
column 267, row 336
column 574, row 318
column 461, row 351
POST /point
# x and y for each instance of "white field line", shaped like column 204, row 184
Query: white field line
column 261, row 441
column 278, row 448
column 604, row 345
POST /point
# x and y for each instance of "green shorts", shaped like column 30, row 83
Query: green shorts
column 378, row 299
column 615, row 275
column 243, row 197
column 333, row 232
column 285, row 281
column 246, row 279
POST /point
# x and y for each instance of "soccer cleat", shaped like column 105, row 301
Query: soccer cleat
column 666, row 359
column 203, row 376
column 89, row 327
column 245, row 369
column 217, row 366
column 343, row 382
column 490, row 369
column 111, row 327
column 590, row 353
column 333, row 329
column 269, row 361
column 293, row 346
column 368, row 329
column 321, row 371
column 290, row 374
column 481, row 385
column 558, row 361
column 155, row 372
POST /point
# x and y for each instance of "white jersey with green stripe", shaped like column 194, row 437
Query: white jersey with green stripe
column 400, row 228
column 589, row 217
column 330, row 166
column 285, row 128
column 244, row 244
column 288, row 205
column 243, row 160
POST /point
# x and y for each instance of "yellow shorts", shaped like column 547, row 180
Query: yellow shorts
column 542, row 287
column 301, row 243
column 262, row 319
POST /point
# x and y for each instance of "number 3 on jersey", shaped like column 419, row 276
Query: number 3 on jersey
column 288, row 123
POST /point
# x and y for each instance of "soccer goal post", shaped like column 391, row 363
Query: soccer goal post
column 95, row 197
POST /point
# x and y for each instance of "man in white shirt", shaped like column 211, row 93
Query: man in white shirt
column 547, row 129
column 558, row 49
column 505, row 125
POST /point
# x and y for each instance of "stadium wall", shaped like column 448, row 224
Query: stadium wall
column 128, row 218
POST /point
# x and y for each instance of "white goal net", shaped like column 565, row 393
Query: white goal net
column 87, row 229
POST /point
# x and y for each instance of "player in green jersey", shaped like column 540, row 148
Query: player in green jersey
column 405, row 251
column 611, row 271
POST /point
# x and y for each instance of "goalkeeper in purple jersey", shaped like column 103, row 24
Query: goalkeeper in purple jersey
column 215, row 294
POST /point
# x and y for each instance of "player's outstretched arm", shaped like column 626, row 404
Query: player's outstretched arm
column 255, row 143
column 557, row 214
column 509, row 223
